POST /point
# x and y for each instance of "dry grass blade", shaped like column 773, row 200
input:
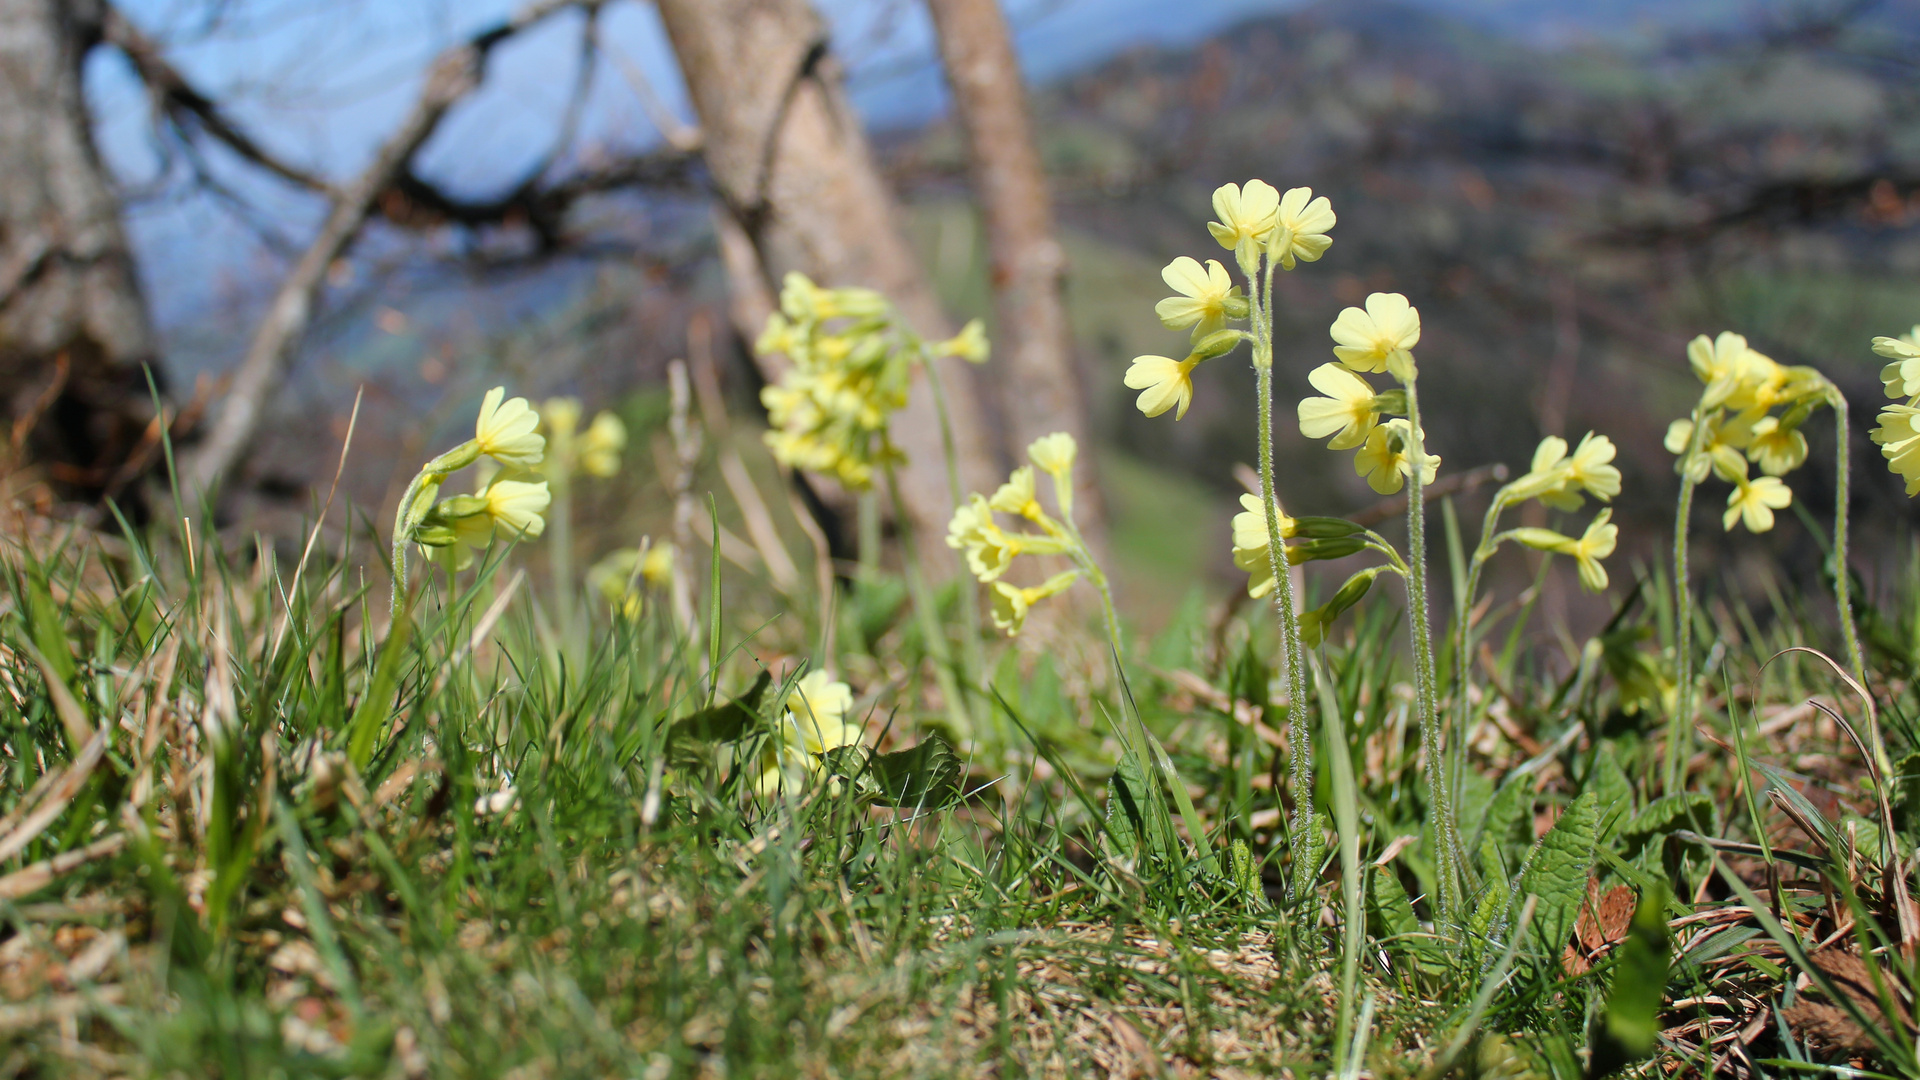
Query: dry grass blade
column 56, row 798
column 67, row 1007
column 32, row 879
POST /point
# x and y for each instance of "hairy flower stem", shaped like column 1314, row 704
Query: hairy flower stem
column 1842, row 578
column 1426, row 694
column 403, row 524
column 1680, row 725
column 1299, row 739
column 1463, row 617
column 929, row 619
column 971, row 655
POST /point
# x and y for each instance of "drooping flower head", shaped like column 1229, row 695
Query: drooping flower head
column 1250, row 544
column 1300, row 228
column 1165, row 383
column 1386, row 460
column 1011, row 603
column 1247, row 214
column 1753, row 502
column 1054, row 454
column 1379, row 338
column 506, row 430
column 1598, row 542
column 1208, row 297
column 601, row 444
column 1349, row 411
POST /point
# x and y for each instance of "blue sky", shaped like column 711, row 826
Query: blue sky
column 322, row 82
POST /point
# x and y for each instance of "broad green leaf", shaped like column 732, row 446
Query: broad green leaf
column 1612, row 790
column 1396, row 925
column 1514, row 799
column 925, row 776
column 725, row 722
column 1127, row 796
column 1682, row 810
column 1556, row 873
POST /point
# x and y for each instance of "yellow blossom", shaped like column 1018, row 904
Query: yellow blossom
column 970, row 344
column 1346, row 412
column 1777, row 448
column 1598, row 542
column 1054, row 454
column 1011, row 602
column 991, row 549
column 1385, row 460
column 1166, row 383
column 1754, row 501
column 1724, row 364
column 515, row 507
column 1208, row 297
column 1246, row 216
column 1018, row 496
column 656, row 568
column 1250, row 547
column 1558, row 479
column 506, row 430
column 1380, row 338
column 815, row 723
column 600, row 445
column 1300, row 228
column 1899, row 439
column 1902, row 376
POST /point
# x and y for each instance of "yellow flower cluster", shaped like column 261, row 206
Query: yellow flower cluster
column 991, row 549
column 1562, row 480
column 1899, row 431
column 450, row 530
column 623, row 576
column 853, row 360
column 595, row 451
column 1254, row 220
column 1735, row 424
column 815, row 723
column 1371, row 340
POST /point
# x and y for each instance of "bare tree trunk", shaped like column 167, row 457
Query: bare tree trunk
column 67, row 284
column 796, row 176
column 1032, row 338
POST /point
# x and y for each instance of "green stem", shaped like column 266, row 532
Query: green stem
column 1680, row 725
column 403, row 525
column 923, row 606
column 1299, row 739
column 1426, row 694
column 971, row 655
column 1842, row 579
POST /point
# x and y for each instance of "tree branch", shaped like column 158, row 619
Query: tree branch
column 453, row 75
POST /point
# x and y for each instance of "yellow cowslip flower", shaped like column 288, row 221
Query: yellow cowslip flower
column 1208, row 297
column 1054, row 454
column 1598, row 542
column 1250, row 547
column 1246, row 216
column 515, row 507
column 1385, row 462
column 1300, row 228
column 970, row 344
column 1380, row 338
column 991, row 549
column 1347, row 412
column 1011, row 602
column 1019, row 496
column 1754, row 501
column 505, row 430
column 613, row 578
column 1558, row 479
column 1728, row 463
column 1166, row 383
column 600, row 445
column 1726, row 366
column 1776, row 447
column 561, row 415
column 1902, row 376
column 1899, row 439
column 656, row 567
column 814, row 724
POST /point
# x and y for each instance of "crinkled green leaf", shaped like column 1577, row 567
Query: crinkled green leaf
column 727, row 721
column 1556, row 873
column 1514, row 799
column 1612, row 790
column 1682, row 810
column 921, row 777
